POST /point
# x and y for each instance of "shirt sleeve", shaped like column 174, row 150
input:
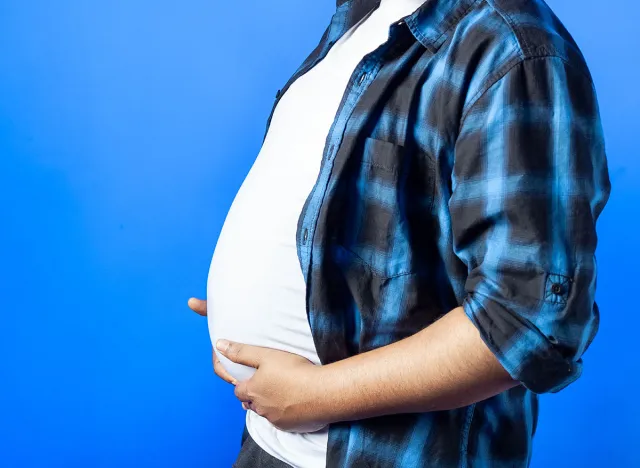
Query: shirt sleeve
column 529, row 181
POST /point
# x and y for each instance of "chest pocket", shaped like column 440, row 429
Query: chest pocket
column 375, row 231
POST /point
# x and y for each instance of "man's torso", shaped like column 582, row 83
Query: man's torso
column 374, row 235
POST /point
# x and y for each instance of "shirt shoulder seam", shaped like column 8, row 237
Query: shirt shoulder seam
column 509, row 65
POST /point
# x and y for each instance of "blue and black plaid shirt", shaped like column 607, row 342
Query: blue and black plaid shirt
column 465, row 166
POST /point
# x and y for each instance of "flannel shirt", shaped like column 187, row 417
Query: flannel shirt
column 465, row 167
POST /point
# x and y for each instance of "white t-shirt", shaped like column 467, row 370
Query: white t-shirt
column 256, row 290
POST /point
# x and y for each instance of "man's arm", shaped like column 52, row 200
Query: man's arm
column 447, row 365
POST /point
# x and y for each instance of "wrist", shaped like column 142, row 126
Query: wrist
column 316, row 395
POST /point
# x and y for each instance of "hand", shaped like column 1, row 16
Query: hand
column 282, row 388
column 200, row 307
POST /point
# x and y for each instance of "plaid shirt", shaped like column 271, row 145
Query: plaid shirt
column 465, row 166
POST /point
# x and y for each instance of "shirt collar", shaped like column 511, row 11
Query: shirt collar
column 431, row 23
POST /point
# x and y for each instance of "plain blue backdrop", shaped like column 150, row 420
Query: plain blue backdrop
column 126, row 127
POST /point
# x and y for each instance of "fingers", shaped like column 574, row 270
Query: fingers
column 198, row 306
column 242, row 393
column 221, row 371
column 241, row 353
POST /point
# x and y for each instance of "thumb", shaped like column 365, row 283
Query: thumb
column 198, row 306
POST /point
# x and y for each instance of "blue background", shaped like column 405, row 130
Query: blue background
column 126, row 127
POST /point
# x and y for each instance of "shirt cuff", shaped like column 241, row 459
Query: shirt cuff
column 527, row 355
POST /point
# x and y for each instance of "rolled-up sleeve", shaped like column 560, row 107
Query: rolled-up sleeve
column 529, row 182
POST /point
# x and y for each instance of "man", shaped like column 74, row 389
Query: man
column 411, row 259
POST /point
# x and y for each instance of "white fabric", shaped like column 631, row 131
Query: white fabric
column 256, row 290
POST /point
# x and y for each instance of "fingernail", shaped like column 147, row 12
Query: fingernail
column 222, row 345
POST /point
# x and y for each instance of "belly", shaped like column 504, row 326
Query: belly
column 255, row 287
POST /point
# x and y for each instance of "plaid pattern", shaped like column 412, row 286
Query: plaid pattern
column 465, row 166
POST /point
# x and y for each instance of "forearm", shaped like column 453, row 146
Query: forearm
column 444, row 366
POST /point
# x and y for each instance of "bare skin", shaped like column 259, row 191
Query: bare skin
column 444, row 366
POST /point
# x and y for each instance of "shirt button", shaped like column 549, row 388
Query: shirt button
column 362, row 77
column 304, row 236
column 556, row 288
